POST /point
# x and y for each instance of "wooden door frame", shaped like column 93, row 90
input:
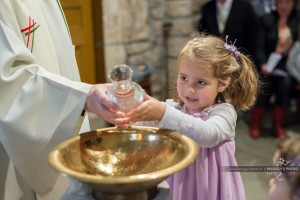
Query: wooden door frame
column 98, row 41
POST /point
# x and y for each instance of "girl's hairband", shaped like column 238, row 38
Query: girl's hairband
column 231, row 47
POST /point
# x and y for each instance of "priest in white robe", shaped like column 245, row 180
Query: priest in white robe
column 42, row 97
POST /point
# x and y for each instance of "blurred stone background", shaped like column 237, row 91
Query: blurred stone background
column 151, row 31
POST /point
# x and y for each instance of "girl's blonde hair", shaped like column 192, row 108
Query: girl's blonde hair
column 225, row 63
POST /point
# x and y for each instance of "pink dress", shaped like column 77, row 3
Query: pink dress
column 206, row 178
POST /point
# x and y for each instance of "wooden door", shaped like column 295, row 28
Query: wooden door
column 80, row 18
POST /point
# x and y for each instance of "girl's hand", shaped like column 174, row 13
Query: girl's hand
column 150, row 110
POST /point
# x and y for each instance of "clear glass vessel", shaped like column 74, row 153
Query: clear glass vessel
column 126, row 93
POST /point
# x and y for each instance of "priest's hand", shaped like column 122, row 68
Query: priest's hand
column 98, row 103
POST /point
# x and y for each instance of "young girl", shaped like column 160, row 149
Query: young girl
column 214, row 81
column 286, row 184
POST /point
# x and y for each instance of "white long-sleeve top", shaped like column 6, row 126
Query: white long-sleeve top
column 219, row 126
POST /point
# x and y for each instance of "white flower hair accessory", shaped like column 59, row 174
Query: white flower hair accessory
column 231, row 47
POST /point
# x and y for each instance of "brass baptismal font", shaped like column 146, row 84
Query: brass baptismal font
column 124, row 163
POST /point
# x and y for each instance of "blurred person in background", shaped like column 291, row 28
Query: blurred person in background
column 235, row 18
column 285, row 185
column 263, row 7
column 278, row 32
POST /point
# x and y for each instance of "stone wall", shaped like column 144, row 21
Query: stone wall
column 134, row 33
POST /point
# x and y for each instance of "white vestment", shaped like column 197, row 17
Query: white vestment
column 41, row 95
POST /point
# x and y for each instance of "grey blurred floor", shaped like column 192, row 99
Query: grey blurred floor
column 249, row 152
